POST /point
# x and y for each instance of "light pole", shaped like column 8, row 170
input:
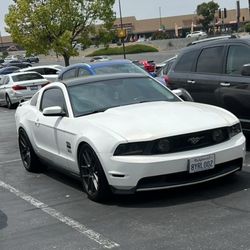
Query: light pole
column 160, row 18
column 123, row 45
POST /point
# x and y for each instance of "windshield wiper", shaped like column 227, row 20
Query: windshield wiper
column 95, row 111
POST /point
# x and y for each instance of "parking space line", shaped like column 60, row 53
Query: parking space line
column 104, row 242
column 5, row 162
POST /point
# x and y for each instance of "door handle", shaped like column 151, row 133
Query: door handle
column 37, row 123
column 191, row 81
column 225, row 84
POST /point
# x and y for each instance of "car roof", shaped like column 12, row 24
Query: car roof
column 42, row 66
column 219, row 41
column 96, row 78
column 99, row 63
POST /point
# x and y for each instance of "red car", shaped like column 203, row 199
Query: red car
column 149, row 66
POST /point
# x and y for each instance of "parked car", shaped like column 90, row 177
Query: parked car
column 49, row 72
column 17, row 87
column 17, row 63
column 149, row 66
column 216, row 72
column 31, row 59
column 127, row 133
column 163, row 71
column 7, row 70
column 10, row 58
column 197, row 34
column 168, row 61
column 100, row 58
column 97, row 68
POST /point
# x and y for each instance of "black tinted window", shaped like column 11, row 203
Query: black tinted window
column 210, row 60
column 185, row 63
column 39, row 70
column 26, row 77
column 53, row 97
column 33, row 101
column 48, row 71
column 238, row 55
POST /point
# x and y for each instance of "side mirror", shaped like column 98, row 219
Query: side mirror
column 245, row 70
column 183, row 94
column 54, row 111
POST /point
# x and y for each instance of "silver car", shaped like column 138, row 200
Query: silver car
column 21, row 86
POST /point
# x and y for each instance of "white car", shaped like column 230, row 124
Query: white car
column 49, row 72
column 20, row 86
column 197, row 34
column 127, row 133
column 10, row 58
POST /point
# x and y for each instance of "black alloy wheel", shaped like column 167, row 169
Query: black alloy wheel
column 8, row 102
column 28, row 156
column 92, row 175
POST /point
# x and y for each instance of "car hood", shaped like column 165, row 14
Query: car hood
column 148, row 121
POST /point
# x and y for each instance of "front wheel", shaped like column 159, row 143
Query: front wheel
column 92, row 175
column 28, row 155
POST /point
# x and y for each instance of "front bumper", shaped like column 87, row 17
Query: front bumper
column 128, row 174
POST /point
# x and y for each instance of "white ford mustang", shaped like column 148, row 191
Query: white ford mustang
column 127, row 133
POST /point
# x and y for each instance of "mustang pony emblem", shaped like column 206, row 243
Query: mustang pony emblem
column 195, row 140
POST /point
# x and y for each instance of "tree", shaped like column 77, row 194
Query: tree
column 207, row 11
column 43, row 25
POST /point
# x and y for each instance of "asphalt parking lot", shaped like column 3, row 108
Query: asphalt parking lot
column 49, row 210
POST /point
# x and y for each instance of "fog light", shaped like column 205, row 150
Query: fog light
column 163, row 146
column 218, row 135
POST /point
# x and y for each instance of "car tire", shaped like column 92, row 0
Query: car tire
column 29, row 158
column 92, row 175
column 8, row 102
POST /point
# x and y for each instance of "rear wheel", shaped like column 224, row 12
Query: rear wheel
column 28, row 155
column 8, row 102
column 92, row 175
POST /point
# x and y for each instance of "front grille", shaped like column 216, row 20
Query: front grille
column 182, row 178
column 193, row 141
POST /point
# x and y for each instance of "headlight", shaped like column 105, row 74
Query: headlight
column 234, row 130
column 135, row 148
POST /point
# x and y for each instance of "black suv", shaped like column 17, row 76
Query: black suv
column 216, row 72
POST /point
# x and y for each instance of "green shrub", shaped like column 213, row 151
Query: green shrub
column 131, row 49
column 5, row 54
column 247, row 27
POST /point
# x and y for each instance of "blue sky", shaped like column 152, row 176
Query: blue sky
column 144, row 9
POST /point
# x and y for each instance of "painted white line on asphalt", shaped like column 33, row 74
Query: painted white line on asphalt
column 5, row 162
column 104, row 242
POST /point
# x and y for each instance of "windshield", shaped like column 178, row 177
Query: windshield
column 117, row 68
column 99, row 96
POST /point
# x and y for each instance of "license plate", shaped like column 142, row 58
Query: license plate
column 34, row 88
column 201, row 163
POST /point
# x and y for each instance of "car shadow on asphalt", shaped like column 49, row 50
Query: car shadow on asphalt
column 225, row 186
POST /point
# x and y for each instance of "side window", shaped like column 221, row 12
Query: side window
column 48, row 71
column 6, row 80
column 210, row 60
column 33, row 100
column 83, row 72
column 69, row 74
column 185, row 63
column 238, row 55
column 53, row 97
column 39, row 70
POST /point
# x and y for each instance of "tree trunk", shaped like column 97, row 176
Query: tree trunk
column 66, row 60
